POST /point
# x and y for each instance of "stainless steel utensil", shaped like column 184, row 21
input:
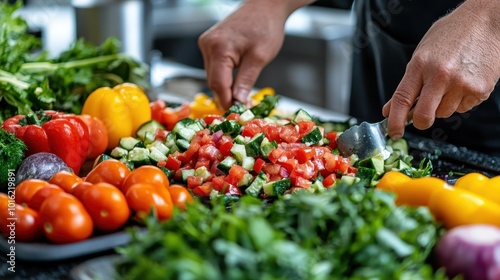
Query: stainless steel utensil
column 367, row 139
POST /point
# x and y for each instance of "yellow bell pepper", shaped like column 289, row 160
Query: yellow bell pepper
column 204, row 105
column 123, row 109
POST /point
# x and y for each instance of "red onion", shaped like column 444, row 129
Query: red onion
column 472, row 251
column 217, row 136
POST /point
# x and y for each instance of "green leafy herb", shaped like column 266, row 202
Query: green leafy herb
column 11, row 154
column 31, row 81
column 265, row 107
column 343, row 233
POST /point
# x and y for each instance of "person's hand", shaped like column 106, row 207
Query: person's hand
column 246, row 40
column 454, row 68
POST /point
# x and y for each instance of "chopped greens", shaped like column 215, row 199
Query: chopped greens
column 346, row 232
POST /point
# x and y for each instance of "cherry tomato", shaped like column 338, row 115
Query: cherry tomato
column 109, row 171
column 66, row 180
column 27, row 188
column 180, row 196
column 28, row 224
column 107, row 206
column 4, row 201
column 42, row 194
column 80, row 188
column 64, row 219
column 143, row 197
column 98, row 135
column 149, row 174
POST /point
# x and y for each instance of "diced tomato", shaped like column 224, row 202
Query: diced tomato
column 331, row 162
column 183, row 111
column 289, row 164
column 209, row 151
column 329, row 180
column 231, row 179
column 225, row 147
column 233, row 189
column 169, row 118
column 202, row 161
column 178, row 175
column 194, row 181
column 233, row 116
column 343, row 165
column 203, row 190
column 302, row 182
column 250, row 130
column 157, row 107
column 332, row 137
column 209, row 119
column 289, row 134
column 257, row 166
column 352, row 170
column 271, row 168
column 237, row 171
column 305, row 127
column 161, row 134
column 275, row 154
column 272, row 132
column 190, row 152
column 172, row 163
column 305, row 154
column 218, row 183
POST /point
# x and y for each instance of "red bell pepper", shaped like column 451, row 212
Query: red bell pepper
column 64, row 135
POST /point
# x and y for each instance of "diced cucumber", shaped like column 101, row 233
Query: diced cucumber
column 240, row 139
column 149, row 137
column 248, row 163
column 228, row 127
column 202, row 172
column 128, row 143
column 182, row 144
column 256, row 186
column 150, row 126
column 186, row 173
column 266, row 149
column 119, row 152
column 237, row 108
column 170, row 139
column 313, row 137
column 239, row 152
column 195, row 125
column 349, row 180
column 277, row 187
column 245, row 180
column 139, row 156
column 366, row 174
column 252, row 147
column 246, row 116
column 226, row 164
column 183, row 130
column 156, row 155
column 400, row 144
column 317, row 187
column 301, row 115
column 160, row 146
column 376, row 162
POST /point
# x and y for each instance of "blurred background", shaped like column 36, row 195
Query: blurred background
column 313, row 65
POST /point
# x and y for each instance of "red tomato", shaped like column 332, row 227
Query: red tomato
column 147, row 174
column 109, row 171
column 237, row 171
column 203, row 189
column 64, row 219
column 142, row 198
column 289, row 134
column 233, row 190
column 305, row 127
column 218, row 183
column 329, row 180
column 42, row 194
column 27, row 188
column 250, row 130
column 66, row 180
column 332, row 137
column 107, row 206
column 98, row 135
column 180, row 196
column 21, row 222
column 209, row 119
column 225, row 148
column 172, row 163
column 80, row 188
column 194, row 181
column 272, row 132
column 257, row 166
column 210, row 152
column 233, row 117
column 169, row 118
column 157, row 107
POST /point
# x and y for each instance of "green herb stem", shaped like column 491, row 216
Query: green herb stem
column 12, row 80
column 36, row 67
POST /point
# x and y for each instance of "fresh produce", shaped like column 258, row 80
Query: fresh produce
column 42, row 194
column 11, row 154
column 203, row 105
column 27, row 189
column 442, row 200
column 28, row 226
column 30, row 80
column 180, row 196
column 481, row 185
column 168, row 116
column 470, row 252
column 343, row 233
column 65, row 135
column 98, row 135
column 106, row 205
column 109, row 171
column 145, row 198
column 65, row 219
column 40, row 166
column 66, row 180
column 123, row 109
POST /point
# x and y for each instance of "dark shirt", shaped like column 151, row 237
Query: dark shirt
column 386, row 35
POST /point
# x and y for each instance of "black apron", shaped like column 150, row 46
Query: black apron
column 387, row 33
